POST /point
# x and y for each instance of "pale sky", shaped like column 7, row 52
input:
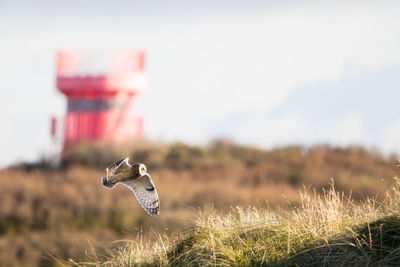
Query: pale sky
column 265, row 73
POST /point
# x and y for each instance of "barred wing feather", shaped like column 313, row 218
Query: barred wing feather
column 145, row 192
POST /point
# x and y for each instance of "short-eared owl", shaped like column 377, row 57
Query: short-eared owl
column 137, row 179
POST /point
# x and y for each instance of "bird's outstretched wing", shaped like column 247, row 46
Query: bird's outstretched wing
column 114, row 168
column 145, row 192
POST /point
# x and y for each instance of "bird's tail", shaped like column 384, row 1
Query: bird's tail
column 106, row 184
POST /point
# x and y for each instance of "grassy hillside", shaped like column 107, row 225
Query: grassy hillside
column 327, row 230
column 65, row 213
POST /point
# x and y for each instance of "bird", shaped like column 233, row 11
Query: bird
column 136, row 178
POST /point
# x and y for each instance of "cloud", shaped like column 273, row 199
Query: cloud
column 205, row 67
column 230, row 66
column 345, row 130
column 291, row 128
column 227, row 64
column 390, row 138
column 268, row 132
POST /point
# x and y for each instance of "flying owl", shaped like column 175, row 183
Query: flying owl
column 137, row 179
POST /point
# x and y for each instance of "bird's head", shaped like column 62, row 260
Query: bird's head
column 139, row 169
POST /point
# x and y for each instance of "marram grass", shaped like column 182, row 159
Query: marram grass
column 326, row 230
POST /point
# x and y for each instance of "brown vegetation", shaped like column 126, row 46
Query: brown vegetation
column 62, row 212
column 328, row 229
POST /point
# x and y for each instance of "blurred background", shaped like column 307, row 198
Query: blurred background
column 230, row 103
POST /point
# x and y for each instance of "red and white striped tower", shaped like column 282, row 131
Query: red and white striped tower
column 100, row 90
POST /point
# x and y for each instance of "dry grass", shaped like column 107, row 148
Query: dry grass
column 63, row 211
column 327, row 230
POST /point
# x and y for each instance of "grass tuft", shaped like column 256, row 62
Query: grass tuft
column 328, row 229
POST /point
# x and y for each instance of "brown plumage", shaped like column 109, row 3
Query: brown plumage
column 137, row 179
